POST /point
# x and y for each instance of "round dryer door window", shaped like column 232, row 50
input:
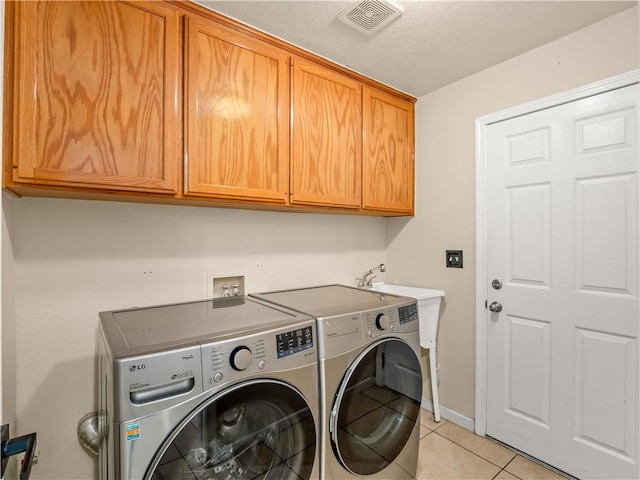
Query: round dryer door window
column 377, row 407
column 256, row 430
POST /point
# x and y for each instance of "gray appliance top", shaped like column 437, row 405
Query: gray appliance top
column 332, row 300
column 141, row 330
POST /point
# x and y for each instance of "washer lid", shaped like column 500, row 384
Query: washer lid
column 330, row 300
column 140, row 330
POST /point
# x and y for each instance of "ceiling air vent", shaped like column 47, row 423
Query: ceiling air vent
column 370, row 16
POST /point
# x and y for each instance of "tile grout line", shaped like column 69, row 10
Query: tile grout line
column 505, row 470
column 478, row 455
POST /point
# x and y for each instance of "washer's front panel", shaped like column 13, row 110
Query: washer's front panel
column 142, row 442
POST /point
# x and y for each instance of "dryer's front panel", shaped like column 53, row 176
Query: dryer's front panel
column 377, row 407
column 260, row 429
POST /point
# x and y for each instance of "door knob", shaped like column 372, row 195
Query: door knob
column 495, row 307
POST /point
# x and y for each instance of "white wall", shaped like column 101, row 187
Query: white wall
column 76, row 258
column 445, row 177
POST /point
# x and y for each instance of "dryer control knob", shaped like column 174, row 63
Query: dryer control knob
column 240, row 358
column 382, row 322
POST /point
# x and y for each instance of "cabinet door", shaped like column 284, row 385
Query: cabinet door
column 326, row 158
column 95, row 90
column 388, row 157
column 237, row 117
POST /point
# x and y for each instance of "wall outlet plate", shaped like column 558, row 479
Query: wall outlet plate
column 228, row 286
column 454, row 259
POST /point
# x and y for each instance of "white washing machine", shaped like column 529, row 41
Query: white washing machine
column 370, row 379
column 218, row 390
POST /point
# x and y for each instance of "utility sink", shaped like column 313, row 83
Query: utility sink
column 428, row 314
column 414, row 292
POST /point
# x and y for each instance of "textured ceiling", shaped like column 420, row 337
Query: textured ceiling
column 432, row 44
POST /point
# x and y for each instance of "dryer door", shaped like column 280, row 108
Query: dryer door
column 377, row 407
column 255, row 430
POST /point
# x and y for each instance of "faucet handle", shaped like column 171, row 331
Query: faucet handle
column 360, row 282
column 370, row 281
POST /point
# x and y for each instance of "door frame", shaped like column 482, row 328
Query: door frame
column 482, row 123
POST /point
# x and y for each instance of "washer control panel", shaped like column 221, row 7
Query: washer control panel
column 403, row 319
column 271, row 350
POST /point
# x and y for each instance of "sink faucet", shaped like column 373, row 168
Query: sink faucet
column 365, row 281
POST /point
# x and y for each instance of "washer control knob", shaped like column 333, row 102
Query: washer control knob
column 382, row 322
column 217, row 377
column 262, row 364
column 369, row 334
column 240, row 358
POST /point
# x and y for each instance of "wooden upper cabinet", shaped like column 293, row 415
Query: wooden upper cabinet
column 326, row 155
column 169, row 102
column 95, row 89
column 388, row 152
column 237, row 115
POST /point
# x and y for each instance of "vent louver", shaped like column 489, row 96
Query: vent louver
column 370, row 16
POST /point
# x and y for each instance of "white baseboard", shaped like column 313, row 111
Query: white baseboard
column 450, row 415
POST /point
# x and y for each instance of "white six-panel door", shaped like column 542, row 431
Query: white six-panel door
column 562, row 238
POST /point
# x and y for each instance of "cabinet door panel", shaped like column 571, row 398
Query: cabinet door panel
column 95, row 92
column 327, row 128
column 388, row 157
column 237, row 115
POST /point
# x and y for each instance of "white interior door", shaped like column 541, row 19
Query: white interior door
column 562, row 238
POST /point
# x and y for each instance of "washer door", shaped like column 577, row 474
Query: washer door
column 256, row 430
column 376, row 407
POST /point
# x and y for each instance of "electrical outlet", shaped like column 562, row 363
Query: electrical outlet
column 454, row 258
column 228, row 286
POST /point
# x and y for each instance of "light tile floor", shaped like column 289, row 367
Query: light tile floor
column 448, row 451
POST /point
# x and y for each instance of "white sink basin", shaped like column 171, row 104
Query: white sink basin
column 414, row 292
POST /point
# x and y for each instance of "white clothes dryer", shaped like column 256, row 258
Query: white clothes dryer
column 370, row 379
column 219, row 390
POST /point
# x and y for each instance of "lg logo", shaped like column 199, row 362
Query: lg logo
column 135, row 368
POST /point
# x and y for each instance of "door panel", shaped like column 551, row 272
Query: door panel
column 604, row 240
column 604, row 371
column 529, row 373
column 529, row 229
column 562, row 224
